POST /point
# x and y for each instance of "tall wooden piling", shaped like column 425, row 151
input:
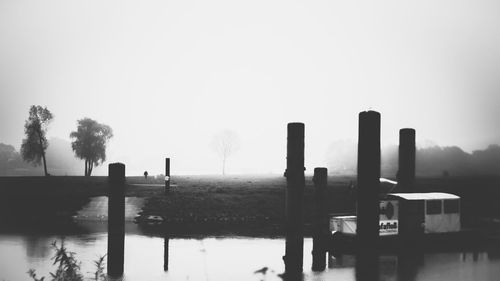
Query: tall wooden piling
column 320, row 223
column 294, row 173
column 406, row 172
column 167, row 174
column 368, row 180
column 116, row 219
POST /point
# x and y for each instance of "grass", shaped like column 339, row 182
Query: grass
column 215, row 204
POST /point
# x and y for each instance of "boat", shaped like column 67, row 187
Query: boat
column 421, row 221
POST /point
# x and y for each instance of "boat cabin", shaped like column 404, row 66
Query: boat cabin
column 433, row 212
column 410, row 213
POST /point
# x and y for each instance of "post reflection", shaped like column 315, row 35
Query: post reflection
column 166, row 239
column 409, row 263
column 37, row 247
column 292, row 276
column 367, row 266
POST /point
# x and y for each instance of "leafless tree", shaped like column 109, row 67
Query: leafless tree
column 225, row 143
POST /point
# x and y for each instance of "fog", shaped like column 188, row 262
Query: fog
column 168, row 76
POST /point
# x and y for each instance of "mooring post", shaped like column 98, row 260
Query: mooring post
column 166, row 239
column 367, row 228
column 116, row 219
column 406, row 172
column 294, row 196
column 320, row 227
column 167, row 174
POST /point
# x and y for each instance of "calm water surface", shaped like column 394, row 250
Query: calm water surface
column 228, row 258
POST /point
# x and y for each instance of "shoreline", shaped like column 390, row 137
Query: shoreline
column 213, row 205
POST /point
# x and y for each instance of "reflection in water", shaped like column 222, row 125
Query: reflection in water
column 342, row 261
column 409, row 264
column 319, row 254
column 166, row 239
column 38, row 247
column 367, row 266
column 475, row 256
column 292, row 276
column 494, row 252
column 230, row 258
column 388, row 267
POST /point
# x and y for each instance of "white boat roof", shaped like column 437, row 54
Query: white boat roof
column 345, row 217
column 425, row 196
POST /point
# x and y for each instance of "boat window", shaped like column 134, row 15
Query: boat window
column 451, row 206
column 433, row 207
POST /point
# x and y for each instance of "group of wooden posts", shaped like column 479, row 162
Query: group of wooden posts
column 368, row 189
column 294, row 230
column 367, row 199
column 116, row 218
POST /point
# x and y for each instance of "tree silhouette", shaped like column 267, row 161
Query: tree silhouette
column 35, row 144
column 225, row 143
column 90, row 142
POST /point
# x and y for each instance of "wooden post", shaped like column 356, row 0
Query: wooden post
column 406, row 172
column 116, row 219
column 320, row 227
column 294, row 196
column 166, row 239
column 167, row 174
column 367, row 228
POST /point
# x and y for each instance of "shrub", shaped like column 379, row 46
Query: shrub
column 68, row 267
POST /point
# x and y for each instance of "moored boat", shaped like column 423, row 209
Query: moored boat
column 421, row 221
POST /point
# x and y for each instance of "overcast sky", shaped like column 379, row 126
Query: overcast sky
column 168, row 75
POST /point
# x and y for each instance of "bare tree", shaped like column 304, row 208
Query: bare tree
column 225, row 143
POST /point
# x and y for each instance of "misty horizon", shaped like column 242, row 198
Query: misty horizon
column 167, row 77
column 340, row 158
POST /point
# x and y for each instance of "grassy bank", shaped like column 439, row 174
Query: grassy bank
column 236, row 204
column 204, row 204
column 198, row 204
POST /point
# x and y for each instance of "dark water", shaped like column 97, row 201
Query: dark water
column 229, row 258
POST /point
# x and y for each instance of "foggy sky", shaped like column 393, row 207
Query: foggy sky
column 169, row 75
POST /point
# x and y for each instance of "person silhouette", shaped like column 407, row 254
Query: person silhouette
column 146, row 175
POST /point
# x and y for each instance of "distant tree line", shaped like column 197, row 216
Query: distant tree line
column 11, row 161
column 90, row 139
column 430, row 161
column 61, row 160
column 450, row 161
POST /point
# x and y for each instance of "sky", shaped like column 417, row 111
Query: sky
column 168, row 76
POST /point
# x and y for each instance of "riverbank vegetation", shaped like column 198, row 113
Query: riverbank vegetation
column 68, row 266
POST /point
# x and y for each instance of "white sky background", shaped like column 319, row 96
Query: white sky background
column 168, row 75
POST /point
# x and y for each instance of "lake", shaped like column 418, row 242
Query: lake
column 227, row 258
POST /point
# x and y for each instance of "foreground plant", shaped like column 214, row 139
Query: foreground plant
column 68, row 267
column 99, row 273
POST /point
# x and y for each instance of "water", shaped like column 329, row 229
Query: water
column 228, row 258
